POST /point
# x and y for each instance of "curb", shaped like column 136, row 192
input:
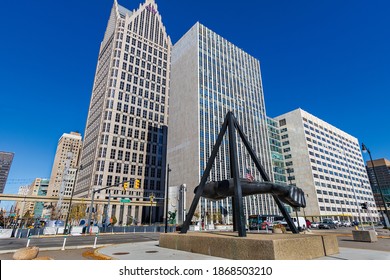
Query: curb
column 57, row 248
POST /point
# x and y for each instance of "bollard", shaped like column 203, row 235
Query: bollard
column 134, row 230
column 144, row 229
column 112, row 230
column 28, row 232
column 63, row 245
column 28, row 242
column 94, row 244
column 124, row 229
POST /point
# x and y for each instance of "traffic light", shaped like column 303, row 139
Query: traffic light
column 136, row 184
column 364, row 205
column 125, row 185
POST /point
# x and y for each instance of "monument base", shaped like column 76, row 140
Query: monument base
column 253, row 247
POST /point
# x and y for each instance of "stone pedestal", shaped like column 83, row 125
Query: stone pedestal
column 364, row 235
column 253, row 247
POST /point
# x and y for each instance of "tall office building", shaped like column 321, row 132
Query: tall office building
column 210, row 77
column 29, row 211
column 39, row 209
column 20, row 206
column 6, row 159
column 277, row 158
column 128, row 113
column 327, row 164
column 64, row 170
column 278, row 168
column 382, row 170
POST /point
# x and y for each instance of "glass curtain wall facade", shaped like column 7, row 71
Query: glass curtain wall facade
column 382, row 170
column 226, row 79
column 278, row 167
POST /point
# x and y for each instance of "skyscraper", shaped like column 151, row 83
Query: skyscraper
column 327, row 164
column 210, row 77
column 64, row 168
column 128, row 111
column 278, row 167
column 6, row 159
column 381, row 180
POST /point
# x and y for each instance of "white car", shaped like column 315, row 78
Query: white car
column 314, row 224
column 346, row 224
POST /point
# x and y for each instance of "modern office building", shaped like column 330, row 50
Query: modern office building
column 5, row 165
column 29, row 211
column 128, row 114
column 278, row 168
column 327, row 164
column 381, row 180
column 40, row 190
column 210, row 77
column 64, row 170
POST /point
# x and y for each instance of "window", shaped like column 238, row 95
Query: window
column 282, row 122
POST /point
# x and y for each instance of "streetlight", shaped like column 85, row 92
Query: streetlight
column 166, row 200
column 70, row 201
column 295, row 208
column 93, row 198
column 365, row 149
column 106, row 218
column 151, row 197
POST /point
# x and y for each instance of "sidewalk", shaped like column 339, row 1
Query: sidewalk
column 151, row 251
column 148, row 251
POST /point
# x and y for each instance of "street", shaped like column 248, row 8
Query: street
column 9, row 244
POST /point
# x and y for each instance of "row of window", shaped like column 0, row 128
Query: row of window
column 329, row 134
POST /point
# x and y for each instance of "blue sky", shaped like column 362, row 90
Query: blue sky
column 330, row 58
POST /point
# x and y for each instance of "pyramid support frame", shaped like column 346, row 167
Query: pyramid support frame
column 230, row 123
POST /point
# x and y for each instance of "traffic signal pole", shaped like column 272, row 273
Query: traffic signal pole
column 93, row 198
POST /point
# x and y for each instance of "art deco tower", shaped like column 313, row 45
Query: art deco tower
column 128, row 111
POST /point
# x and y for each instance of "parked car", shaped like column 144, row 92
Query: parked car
column 314, row 224
column 302, row 223
column 327, row 224
column 345, row 224
column 308, row 224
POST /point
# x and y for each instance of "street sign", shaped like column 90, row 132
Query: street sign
column 125, row 200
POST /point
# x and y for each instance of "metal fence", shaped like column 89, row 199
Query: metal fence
column 25, row 233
